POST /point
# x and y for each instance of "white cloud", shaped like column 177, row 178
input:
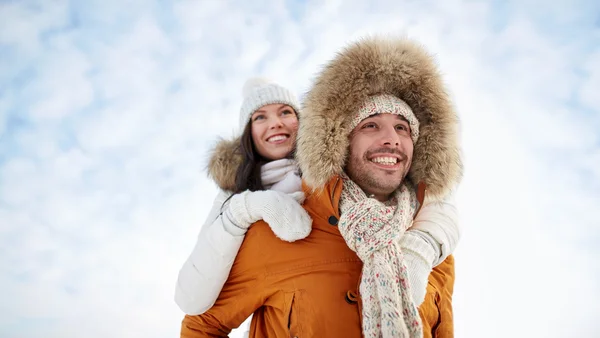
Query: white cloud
column 24, row 25
column 591, row 67
column 101, row 186
column 62, row 87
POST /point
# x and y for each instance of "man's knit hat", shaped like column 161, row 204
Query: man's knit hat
column 387, row 104
column 259, row 92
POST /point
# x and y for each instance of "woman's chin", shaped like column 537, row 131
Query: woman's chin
column 278, row 154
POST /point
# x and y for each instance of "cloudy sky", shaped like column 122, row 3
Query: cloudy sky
column 108, row 109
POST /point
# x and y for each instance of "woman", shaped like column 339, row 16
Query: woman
column 259, row 180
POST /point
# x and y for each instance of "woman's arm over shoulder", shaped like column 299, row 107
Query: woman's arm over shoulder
column 206, row 269
column 439, row 219
column 215, row 210
column 245, row 290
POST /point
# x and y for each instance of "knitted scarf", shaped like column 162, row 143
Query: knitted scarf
column 373, row 229
column 281, row 175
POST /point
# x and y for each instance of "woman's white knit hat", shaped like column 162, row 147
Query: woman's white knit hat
column 260, row 91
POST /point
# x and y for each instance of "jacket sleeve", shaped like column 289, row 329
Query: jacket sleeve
column 436, row 311
column 243, row 293
column 437, row 221
column 205, row 271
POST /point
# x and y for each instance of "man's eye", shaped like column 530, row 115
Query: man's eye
column 370, row 125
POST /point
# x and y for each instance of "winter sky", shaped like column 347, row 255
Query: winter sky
column 108, row 110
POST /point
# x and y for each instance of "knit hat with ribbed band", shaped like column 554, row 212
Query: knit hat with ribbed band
column 259, row 92
column 387, row 104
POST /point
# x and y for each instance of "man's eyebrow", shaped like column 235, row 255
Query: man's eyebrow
column 398, row 116
column 402, row 118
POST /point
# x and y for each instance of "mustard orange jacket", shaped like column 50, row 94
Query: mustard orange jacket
column 307, row 288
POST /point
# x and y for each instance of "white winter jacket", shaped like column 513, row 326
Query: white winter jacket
column 205, row 271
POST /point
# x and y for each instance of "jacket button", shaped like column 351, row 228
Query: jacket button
column 333, row 220
column 351, row 298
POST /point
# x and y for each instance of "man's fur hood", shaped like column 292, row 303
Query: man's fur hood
column 371, row 66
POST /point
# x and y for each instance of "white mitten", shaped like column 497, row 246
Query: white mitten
column 283, row 212
column 419, row 255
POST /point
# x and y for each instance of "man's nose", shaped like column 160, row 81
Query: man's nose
column 390, row 137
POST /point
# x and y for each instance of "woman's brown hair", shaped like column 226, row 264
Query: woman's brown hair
column 247, row 176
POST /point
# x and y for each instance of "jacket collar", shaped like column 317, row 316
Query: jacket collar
column 329, row 197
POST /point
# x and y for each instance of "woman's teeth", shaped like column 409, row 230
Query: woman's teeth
column 277, row 138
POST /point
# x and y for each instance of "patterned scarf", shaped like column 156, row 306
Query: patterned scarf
column 373, row 229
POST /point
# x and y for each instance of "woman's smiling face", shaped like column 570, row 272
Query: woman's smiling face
column 274, row 128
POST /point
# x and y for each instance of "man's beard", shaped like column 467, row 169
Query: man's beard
column 366, row 178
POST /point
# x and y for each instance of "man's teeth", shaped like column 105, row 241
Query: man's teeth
column 277, row 138
column 385, row 160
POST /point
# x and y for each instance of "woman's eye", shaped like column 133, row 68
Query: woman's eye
column 258, row 117
column 369, row 125
column 402, row 127
column 286, row 112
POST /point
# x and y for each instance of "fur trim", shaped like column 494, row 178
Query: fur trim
column 373, row 66
column 223, row 163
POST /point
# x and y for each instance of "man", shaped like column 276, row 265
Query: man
column 377, row 134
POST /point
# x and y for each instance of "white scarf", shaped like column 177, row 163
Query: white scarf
column 281, row 175
column 373, row 230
